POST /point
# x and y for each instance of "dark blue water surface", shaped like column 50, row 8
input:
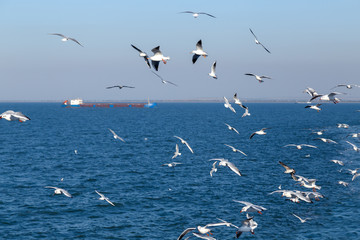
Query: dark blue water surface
column 157, row 202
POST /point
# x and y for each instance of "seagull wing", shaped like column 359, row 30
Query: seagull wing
column 194, row 58
column 265, row 48
column 157, row 75
column 21, row 116
column 128, row 86
column 285, row 166
column 187, row 12
column 199, row 45
column 252, row 135
column 156, row 50
column 73, row 39
column 186, row 231
column 250, row 74
column 58, row 34
column 101, row 195
column 207, row 14
column 203, row 236
column 306, row 145
column 155, row 65
column 290, row 145
column 297, row 217
column 171, row 83
column 213, row 67
column 233, row 168
column 147, row 61
column 189, row 147
column 351, row 143
column 252, row 33
column 136, row 49
column 66, row 193
column 106, row 199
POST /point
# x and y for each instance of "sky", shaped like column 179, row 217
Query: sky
column 313, row 44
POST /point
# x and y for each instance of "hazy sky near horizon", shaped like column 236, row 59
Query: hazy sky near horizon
column 312, row 43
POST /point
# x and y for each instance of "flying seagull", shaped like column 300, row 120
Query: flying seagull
column 259, row 78
column 315, row 107
column 65, row 38
column 158, row 56
column 260, row 132
column 356, row 149
column 228, row 105
column 235, row 149
column 102, row 197
column 116, row 136
column 328, row 97
column 119, row 86
column 176, row 153
column 212, row 73
column 231, row 128
column 326, row 140
column 186, row 143
column 196, row 14
column 142, row 54
column 172, row 164
column 301, row 220
column 10, row 115
column 249, row 207
column 198, row 52
column 60, row 191
column 226, row 163
column 257, row 41
column 299, row 146
column 348, row 86
column 238, row 102
column 213, row 169
column 162, row 80
column 287, row 168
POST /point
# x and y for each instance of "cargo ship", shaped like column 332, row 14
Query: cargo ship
column 78, row 102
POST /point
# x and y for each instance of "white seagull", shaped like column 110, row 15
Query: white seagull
column 231, row 128
column 143, row 54
column 299, row 146
column 260, row 132
column 203, row 236
column 315, row 107
column 235, row 149
column 185, row 142
column 354, row 135
column 326, row 140
column 247, row 226
column 311, row 92
column 65, row 38
column 119, row 86
column 348, row 86
column 10, row 115
column 249, row 207
column 356, row 149
column 257, row 41
column 238, row 102
column 60, row 191
column 287, row 168
column 355, row 176
column 301, row 220
column 259, row 78
column 176, row 153
column 337, row 162
column 342, row 125
column 196, row 14
column 102, row 197
column 319, row 132
column 213, row 68
column 186, row 231
column 226, row 163
column 162, row 80
column 158, row 56
column 328, row 97
column 345, row 184
column 116, row 136
column 198, row 52
column 353, row 172
column 173, row 164
column 228, row 105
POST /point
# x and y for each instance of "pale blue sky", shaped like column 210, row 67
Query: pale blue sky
column 312, row 43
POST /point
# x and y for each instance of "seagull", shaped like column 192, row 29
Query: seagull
column 225, row 162
column 176, row 153
column 342, row 125
column 294, row 196
column 102, row 197
column 348, row 86
column 116, row 136
column 65, row 38
column 310, row 184
column 214, row 169
column 60, row 191
column 326, row 140
column 300, row 146
column 228, row 105
column 10, row 115
column 301, row 220
column 203, row 236
column 231, row 128
column 238, row 102
column 320, row 132
column 212, row 73
column 311, row 92
column 354, row 135
column 353, row 145
column 337, row 162
column 249, row 207
column 353, row 172
column 260, row 132
column 173, row 164
column 328, row 97
column 186, row 143
column 119, row 86
column 257, row 41
column 198, row 52
column 247, row 226
column 162, row 80
column 287, row 169
column 345, row 184
column 196, row 14
column 315, row 107
column 158, row 56
column 142, row 54
column 235, row 150
column 259, row 78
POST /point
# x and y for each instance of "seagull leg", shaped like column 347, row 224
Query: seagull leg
column 314, row 190
column 259, row 212
column 164, row 61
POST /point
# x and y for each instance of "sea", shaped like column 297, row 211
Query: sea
column 73, row 149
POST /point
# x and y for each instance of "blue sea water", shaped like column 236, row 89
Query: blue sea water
column 157, row 202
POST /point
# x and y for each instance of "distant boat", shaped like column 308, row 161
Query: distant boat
column 78, row 102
